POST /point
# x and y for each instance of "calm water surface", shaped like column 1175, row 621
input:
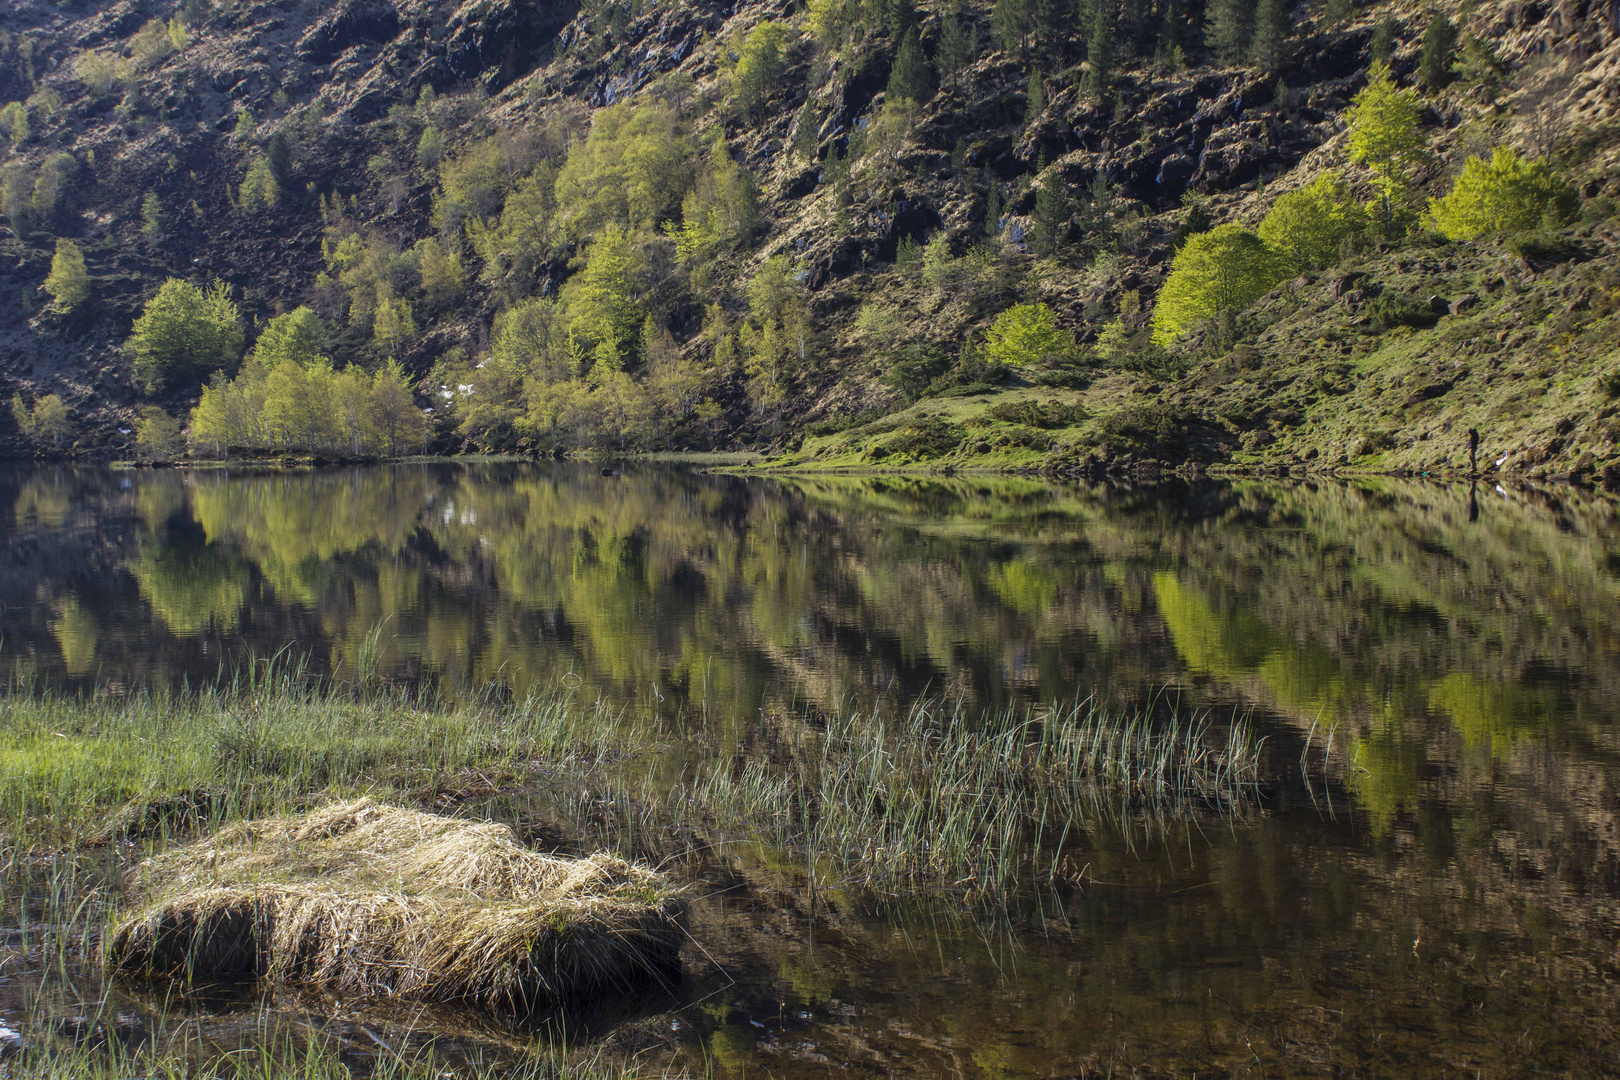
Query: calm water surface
column 1430, row 886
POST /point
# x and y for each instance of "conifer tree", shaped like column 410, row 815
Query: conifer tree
column 1035, row 99
column 955, row 49
column 910, row 78
column 1269, row 49
column 1100, row 49
column 1230, row 27
column 1439, row 41
column 1382, row 46
column 1010, row 22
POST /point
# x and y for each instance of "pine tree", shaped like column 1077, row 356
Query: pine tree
column 1269, row 49
column 1382, row 46
column 1231, row 24
column 1010, row 21
column 1034, row 97
column 909, row 77
column 1439, row 41
column 278, row 152
column 1100, row 50
column 955, row 49
column 992, row 211
column 1052, row 212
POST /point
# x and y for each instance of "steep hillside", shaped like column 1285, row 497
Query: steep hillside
column 696, row 225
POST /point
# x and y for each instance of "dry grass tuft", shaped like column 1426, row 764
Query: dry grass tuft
column 361, row 898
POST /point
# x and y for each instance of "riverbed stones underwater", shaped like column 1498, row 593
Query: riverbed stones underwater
column 363, row 899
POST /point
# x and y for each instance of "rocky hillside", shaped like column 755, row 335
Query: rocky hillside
column 694, row 225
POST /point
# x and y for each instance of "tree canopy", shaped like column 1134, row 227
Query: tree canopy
column 183, row 333
column 1504, row 195
column 1308, row 227
column 1215, row 274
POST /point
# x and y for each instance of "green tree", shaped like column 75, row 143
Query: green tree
column 1268, row 49
column 394, row 325
column 956, row 39
column 1308, row 227
column 259, row 189
column 1010, row 22
column 721, row 210
column 909, row 77
column 299, row 335
column 14, row 122
column 430, row 147
column 1100, row 49
column 184, row 333
column 1025, row 335
column 1215, row 275
column 633, row 169
column 1052, row 212
column 151, row 216
column 157, row 435
column 1034, row 97
column 47, row 422
column 399, row 422
column 1382, row 46
column 278, row 154
column 68, row 282
column 1439, row 42
column 599, row 305
column 1385, row 135
column 1230, row 28
column 1504, row 195
column 759, row 66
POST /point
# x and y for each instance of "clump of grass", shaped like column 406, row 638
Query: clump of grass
column 365, row 899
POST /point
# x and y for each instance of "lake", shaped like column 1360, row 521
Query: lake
column 1426, row 883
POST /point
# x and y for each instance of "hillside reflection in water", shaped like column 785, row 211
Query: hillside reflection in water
column 1440, row 890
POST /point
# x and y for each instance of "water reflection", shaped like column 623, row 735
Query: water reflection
column 1439, row 892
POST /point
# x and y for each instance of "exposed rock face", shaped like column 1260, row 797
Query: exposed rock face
column 349, row 24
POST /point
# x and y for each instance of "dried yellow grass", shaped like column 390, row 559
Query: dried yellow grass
column 360, row 898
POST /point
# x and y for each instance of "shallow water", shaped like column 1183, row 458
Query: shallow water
column 1430, row 886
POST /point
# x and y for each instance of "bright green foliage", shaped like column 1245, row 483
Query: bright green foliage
column 289, row 397
column 259, row 189
column 299, row 336
column 1505, row 195
column 910, row 77
column 1025, row 335
column 184, row 333
column 151, row 216
column 430, row 147
column 395, row 323
column 632, row 170
column 1215, row 274
column 444, row 279
column 47, row 422
column 721, row 210
column 759, row 65
column 1386, row 134
column 599, row 305
column 157, row 435
column 14, row 122
column 98, row 72
column 515, row 247
column 179, row 34
column 68, row 282
column 1308, row 227
column 472, row 185
column 150, row 45
column 776, row 339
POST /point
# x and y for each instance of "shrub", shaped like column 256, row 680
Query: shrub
column 1215, row 274
column 157, row 435
column 1392, row 310
column 259, row 188
column 1038, row 414
column 1025, row 335
column 68, row 282
column 1308, row 227
column 1505, row 195
column 184, row 333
